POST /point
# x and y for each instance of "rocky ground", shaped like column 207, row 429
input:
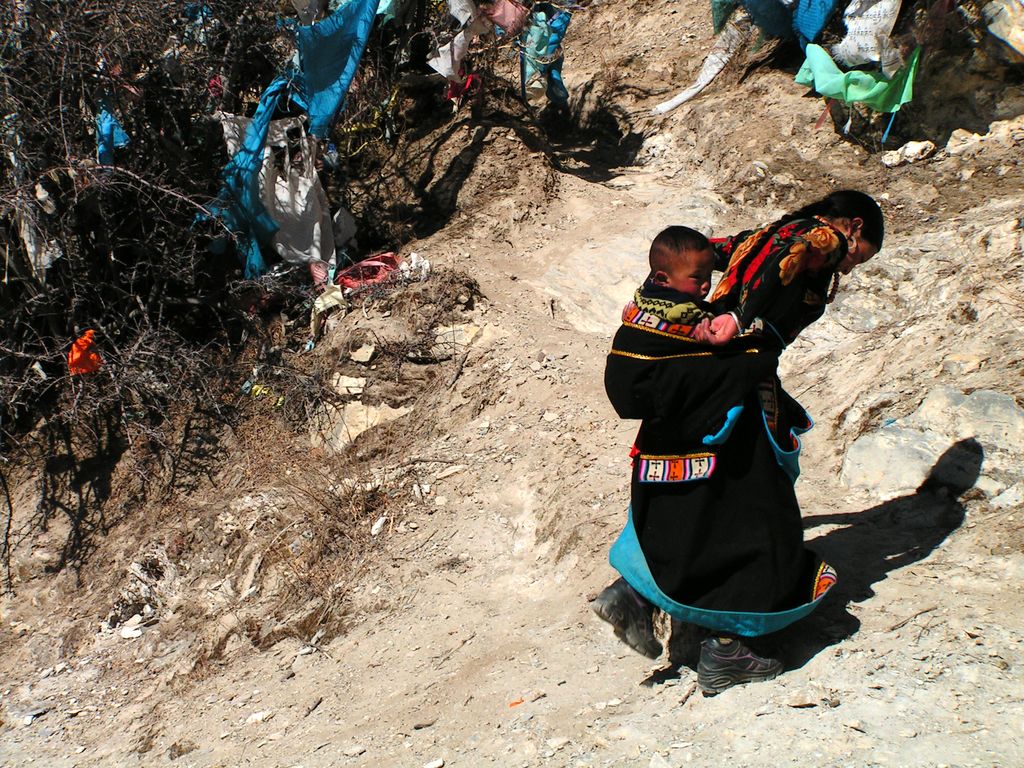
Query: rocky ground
column 467, row 637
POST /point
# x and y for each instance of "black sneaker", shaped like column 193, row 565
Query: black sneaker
column 630, row 615
column 725, row 664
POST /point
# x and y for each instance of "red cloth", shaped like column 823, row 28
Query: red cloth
column 215, row 87
column 375, row 269
column 457, row 90
column 83, row 357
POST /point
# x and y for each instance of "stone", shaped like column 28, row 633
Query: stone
column 348, row 385
column 911, row 152
column 989, row 486
column 452, row 340
column 438, row 763
column 657, row 761
column 452, row 470
column 804, row 699
column 354, row 751
column 993, row 418
column 1011, row 497
column 364, row 354
column 259, row 717
column 132, row 628
column 334, row 427
column 378, row 525
column 963, row 142
column 948, row 439
column 459, row 335
column 181, row 747
column 1006, row 21
column 960, row 364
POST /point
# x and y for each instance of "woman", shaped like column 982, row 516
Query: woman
column 723, row 548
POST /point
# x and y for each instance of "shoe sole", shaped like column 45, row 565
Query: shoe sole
column 619, row 621
column 713, row 683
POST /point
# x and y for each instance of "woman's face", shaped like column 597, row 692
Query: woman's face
column 858, row 249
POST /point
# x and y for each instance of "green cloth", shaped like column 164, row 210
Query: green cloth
column 872, row 89
column 721, row 10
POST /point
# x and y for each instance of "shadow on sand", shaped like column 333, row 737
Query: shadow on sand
column 864, row 550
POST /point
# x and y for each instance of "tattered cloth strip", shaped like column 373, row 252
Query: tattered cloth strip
column 810, row 18
column 109, row 134
column 388, row 9
column 772, row 17
column 872, row 89
column 40, row 251
column 781, row 18
column 201, row 23
column 721, row 10
column 541, row 54
column 462, row 10
column 869, row 24
column 371, row 271
column 240, row 204
column 392, row 9
column 457, row 91
column 83, row 357
column 736, row 32
column 448, row 60
column 330, row 51
column 332, row 296
column 510, row 15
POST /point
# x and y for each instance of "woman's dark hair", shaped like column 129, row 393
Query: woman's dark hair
column 849, row 204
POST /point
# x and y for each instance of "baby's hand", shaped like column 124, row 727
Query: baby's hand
column 702, row 332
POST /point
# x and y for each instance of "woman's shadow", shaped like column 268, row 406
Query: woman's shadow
column 867, row 546
column 872, row 543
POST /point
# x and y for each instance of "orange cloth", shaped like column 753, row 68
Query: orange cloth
column 83, row 357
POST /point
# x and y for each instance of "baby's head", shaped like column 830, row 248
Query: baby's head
column 682, row 259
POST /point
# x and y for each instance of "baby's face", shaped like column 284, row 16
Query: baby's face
column 691, row 273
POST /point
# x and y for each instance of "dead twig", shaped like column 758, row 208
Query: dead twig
column 909, row 619
column 459, row 365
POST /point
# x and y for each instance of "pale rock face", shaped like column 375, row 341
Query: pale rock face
column 339, row 426
column 993, row 418
column 970, row 433
column 892, row 461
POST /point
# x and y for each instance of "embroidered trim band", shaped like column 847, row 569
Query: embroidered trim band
column 675, row 469
column 633, row 315
column 824, row 581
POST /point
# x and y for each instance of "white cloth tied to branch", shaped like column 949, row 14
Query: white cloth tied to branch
column 448, row 61
column 733, row 36
column 290, row 189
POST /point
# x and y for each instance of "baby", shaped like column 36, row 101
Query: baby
column 671, row 299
